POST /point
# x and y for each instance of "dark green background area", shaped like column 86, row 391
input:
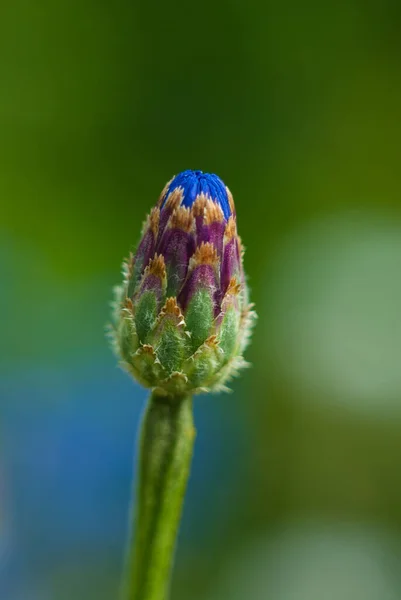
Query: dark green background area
column 297, row 107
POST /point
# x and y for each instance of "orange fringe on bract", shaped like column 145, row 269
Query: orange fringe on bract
column 154, row 219
column 198, row 207
column 230, row 201
column 213, row 213
column 164, row 192
column 172, row 309
column 174, row 200
column 231, row 229
column 234, row 287
column 206, row 254
column 157, row 266
column 182, row 219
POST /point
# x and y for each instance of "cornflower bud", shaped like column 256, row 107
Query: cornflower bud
column 182, row 317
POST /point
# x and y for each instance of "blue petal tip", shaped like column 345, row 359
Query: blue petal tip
column 194, row 183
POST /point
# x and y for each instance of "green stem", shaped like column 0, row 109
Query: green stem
column 166, row 445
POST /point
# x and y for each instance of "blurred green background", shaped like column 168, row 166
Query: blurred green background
column 295, row 492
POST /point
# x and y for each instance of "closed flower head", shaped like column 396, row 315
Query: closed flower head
column 182, row 317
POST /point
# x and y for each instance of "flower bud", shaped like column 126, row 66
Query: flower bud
column 182, row 318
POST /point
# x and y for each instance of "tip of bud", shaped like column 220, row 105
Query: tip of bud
column 192, row 184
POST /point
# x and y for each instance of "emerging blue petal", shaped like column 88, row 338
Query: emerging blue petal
column 196, row 182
